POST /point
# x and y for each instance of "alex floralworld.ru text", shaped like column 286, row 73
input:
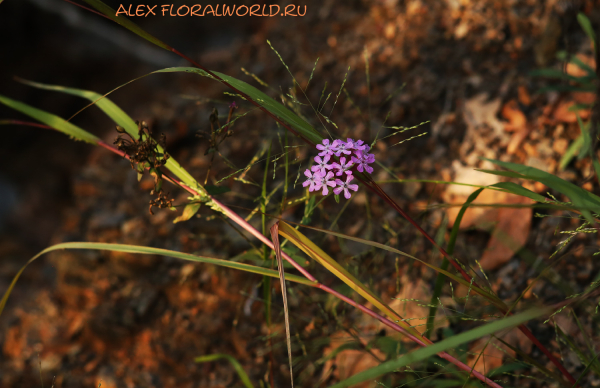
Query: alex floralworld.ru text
column 143, row 10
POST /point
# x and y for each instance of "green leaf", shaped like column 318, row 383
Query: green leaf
column 51, row 120
column 563, row 56
column 236, row 365
column 151, row 251
column 571, row 152
column 585, row 23
column 450, row 343
column 188, row 212
column 520, row 190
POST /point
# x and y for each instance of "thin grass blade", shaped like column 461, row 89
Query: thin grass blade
column 275, row 238
column 51, row 120
column 450, row 343
column 151, row 251
column 236, row 365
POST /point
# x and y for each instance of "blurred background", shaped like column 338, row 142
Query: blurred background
column 461, row 65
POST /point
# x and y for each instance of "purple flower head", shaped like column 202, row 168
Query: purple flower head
column 322, row 165
column 356, row 145
column 345, row 186
column 341, row 147
column 313, row 179
column 363, row 160
column 327, row 180
column 325, row 148
column 343, row 167
column 233, row 105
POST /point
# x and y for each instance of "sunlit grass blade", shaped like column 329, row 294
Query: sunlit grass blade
column 317, row 254
column 236, row 365
column 51, row 120
column 121, row 118
column 449, row 343
column 490, row 297
column 152, row 251
column 514, row 188
column 581, row 198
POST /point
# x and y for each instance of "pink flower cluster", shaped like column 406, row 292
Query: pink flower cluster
column 351, row 153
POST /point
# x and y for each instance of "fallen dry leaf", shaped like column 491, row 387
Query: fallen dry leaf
column 516, row 119
column 516, row 140
column 509, row 226
column 524, row 97
column 511, row 231
column 576, row 71
column 562, row 113
column 494, row 352
column 479, row 111
column 457, row 194
column 350, row 362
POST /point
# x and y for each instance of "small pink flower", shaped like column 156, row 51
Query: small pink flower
column 322, row 165
column 356, row 145
column 327, row 180
column 345, row 186
column 326, row 148
column 313, row 179
column 341, row 147
column 363, row 161
column 343, row 167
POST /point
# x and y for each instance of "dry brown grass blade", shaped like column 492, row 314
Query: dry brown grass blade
column 275, row 238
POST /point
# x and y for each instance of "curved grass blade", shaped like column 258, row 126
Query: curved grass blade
column 131, row 26
column 490, row 297
column 450, row 343
column 236, row 365
column 581, row 198
column 49, row 119
column 275, row 238
column 439, row 281
column 514, row 188
column 317, row 254
column 121, row 118
column 151, row 251
column 303, row 128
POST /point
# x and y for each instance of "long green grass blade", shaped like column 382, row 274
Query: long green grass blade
column 439, row 281
column 51, row 120
column 585, row 23
column 520, row 190
column 301, row 126
column 581, row 198
column 152, row 251
column 450, row 343
column 571, row 151
column 236, row 365
column 121, row 118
